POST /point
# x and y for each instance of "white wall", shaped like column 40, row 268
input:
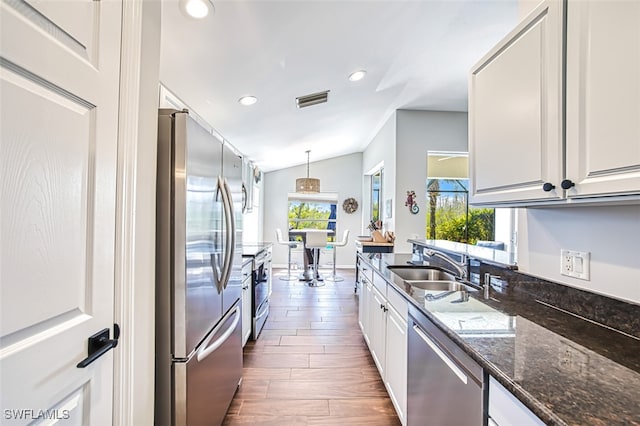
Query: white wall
column 341, row 175
column 610, row 233
column 418, row 132
column 382, row 148
column 402, row 144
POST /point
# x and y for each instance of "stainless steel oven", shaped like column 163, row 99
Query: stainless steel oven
column 261, row 285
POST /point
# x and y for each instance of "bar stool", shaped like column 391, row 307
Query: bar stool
column 314, row 241
column 335, row 277
column 290, row 245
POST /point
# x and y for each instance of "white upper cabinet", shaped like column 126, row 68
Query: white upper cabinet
column 519, row 154
column 515, row 104
column 603, row 98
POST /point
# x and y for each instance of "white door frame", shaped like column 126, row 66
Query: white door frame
column 133, row 399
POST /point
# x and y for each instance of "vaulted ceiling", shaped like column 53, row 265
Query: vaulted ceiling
column 417, row 55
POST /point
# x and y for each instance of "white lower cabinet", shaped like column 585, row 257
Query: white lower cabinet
column 383, row 320
column 506, row 410
column 377, row 331
column 395, row 379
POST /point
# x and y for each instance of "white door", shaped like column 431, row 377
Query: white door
column 515, row 108
column 59, row 77
column 603, row 98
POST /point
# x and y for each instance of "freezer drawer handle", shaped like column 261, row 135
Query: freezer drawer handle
column 441, row 354
column 207, row 349
column 99, row 344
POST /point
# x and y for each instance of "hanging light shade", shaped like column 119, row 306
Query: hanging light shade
column 308, row 185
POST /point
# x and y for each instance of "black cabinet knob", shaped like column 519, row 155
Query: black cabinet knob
column 548, row 187
column 566, row 184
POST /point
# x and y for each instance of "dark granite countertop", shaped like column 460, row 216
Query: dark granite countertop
column 567, row 370
column 254, row 249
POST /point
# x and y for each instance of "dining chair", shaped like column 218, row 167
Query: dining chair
column 291, row 245
column 345, row 238
column 315, row 241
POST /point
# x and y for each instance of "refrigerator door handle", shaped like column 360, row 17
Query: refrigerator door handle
column 206, row 349
column 218, row 266
column 231, row 233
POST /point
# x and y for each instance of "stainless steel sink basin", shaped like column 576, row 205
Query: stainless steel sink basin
column 417, row 273
column 438, row 285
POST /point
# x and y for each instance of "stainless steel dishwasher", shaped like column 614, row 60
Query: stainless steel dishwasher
column 445, row 386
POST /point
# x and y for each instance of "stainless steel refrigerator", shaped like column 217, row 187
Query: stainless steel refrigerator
column 198, row 273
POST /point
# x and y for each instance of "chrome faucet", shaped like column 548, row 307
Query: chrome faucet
column 460, row 267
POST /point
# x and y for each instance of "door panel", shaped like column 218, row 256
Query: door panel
column 200, row 220
column 603, row 98
column 59, row 77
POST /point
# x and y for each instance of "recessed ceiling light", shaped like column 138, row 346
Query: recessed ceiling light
column 248, row 100
column 357, row 75
column 196, row 8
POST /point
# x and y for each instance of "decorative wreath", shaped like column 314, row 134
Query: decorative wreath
column 350, row 205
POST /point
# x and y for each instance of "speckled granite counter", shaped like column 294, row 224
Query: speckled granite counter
column 567, row 370
column 253, row 249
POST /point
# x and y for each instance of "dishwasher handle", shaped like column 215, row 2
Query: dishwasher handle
column 452, row 365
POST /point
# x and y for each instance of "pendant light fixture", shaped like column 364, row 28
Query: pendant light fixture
column 308, row 185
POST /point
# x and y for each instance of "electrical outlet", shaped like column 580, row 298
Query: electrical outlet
column 575, row 264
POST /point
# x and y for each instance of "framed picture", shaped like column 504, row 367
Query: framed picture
column 388, row 208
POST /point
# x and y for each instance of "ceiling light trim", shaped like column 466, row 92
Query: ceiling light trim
column 357, row 75
column 248, row 100
column 196, row 9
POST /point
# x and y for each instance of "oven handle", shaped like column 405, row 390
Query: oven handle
column 264, row 312
column 458, row 372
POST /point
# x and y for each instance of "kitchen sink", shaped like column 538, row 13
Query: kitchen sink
column 439, row 285
column 418, row 273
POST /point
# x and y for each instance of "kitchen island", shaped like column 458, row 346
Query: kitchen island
column 565, row 369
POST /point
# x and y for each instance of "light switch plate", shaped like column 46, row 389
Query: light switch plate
column 575, row 264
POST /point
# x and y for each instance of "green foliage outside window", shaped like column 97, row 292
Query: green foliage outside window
column 312, row 215
column 449, row 216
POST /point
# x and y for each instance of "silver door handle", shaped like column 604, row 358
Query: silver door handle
column 205, row 350
column 230, row 234
column 458, row 372
column 264, row 312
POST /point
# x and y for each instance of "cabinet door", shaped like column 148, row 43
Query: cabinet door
column 396, row 362
column 515, row 113
column 363, row 314
column 377, row 332
column 603, row 97
column 506, row 410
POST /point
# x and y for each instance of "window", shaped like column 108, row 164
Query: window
column 449, row 216
column 376, row 195
column 312, row 211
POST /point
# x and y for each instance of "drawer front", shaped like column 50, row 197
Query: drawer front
column 398, row 302
column 380, row 283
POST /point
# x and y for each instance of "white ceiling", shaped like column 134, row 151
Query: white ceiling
column 417, row 55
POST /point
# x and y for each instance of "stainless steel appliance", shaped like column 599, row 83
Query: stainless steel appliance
column 198, row 273
column 260, row 284
column 444, row 385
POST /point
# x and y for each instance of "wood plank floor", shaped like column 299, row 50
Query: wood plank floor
column 311, row 365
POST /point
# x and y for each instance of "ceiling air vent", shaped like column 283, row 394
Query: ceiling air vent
column 313, row 99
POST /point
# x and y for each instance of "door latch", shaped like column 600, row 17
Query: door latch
column 99, row 344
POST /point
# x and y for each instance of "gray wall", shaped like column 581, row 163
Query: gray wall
column 341, row 175
column 402, row 144
column 610, row 233
column 417, row 133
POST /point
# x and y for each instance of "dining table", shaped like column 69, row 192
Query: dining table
column 309, row 254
